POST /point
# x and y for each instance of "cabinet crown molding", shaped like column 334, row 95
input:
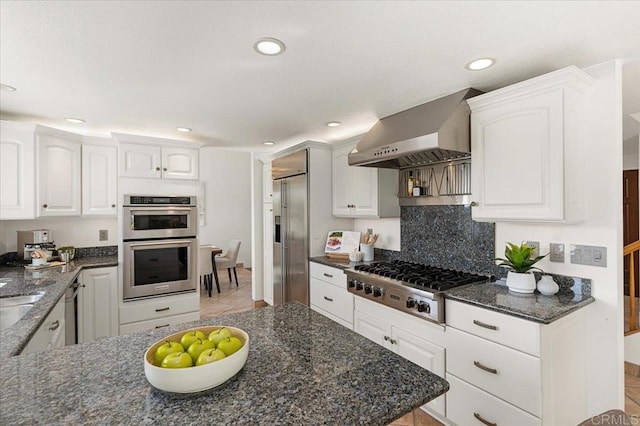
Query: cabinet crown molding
column 69, row 136
column 150, row 140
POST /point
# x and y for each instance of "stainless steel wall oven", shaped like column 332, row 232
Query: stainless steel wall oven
column 159, row 245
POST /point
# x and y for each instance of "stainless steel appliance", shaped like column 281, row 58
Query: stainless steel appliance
column 29, row 241
column 290, row 234
column 159, row 246
column 413, row 288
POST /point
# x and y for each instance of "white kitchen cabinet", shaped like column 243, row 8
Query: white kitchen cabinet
column 51, row 333
column 526, row 145
column 98, row 304
column 151, row 161
column 17, row 171
column 414, row 339
column 99, row 180
column 508, row 370
column 362, row 191
column 267, row 182
column 328, row 294
column 58, row 172
column 267, row 252
column 158, row 312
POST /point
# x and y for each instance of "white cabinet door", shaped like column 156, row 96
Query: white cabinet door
column 140, row 161
column 99, row 181
column 372, row 328
column 267, row 183
column 267, row 223
column 58, row 172
column 364, row 191
column 341, row 182
column 51, row 333
column 179, row 163
column 98, row 311
column 17, row 171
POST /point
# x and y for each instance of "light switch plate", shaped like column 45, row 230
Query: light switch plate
column 536, row 248
column 556, row 252
column 589, row 255
column 104, row 235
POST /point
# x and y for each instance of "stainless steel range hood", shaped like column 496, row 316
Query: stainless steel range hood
column 428, row 133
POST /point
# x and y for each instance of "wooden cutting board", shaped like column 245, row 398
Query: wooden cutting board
column 47, row 265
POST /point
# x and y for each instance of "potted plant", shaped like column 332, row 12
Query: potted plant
column 520, row 259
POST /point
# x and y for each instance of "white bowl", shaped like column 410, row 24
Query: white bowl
column 197, row 378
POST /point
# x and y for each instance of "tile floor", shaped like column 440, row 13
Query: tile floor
column 237, row 299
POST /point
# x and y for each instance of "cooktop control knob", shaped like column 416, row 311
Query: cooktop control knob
column 378, row 291
column 352, row 283
column 411, row 303
column 367, row 289
column 424, row 307
column 359, row 285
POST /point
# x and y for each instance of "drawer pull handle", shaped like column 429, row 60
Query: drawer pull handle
column 54, row 325
column 162, row 326
column 328, row 299
column 487, row 369
column 328, row 275
column 480, row 419
column 483, row 325
column 162, row 309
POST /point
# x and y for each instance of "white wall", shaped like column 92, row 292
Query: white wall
column 257, row 272
column 71, row 230
column 227, row 179
column 388, row 229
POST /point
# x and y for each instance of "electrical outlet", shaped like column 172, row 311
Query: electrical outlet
column 556, row 252
column 536, row 247
column 370, row 231
column 589, row 255
column 104, row 235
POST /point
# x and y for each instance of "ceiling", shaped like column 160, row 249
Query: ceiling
column 147, row 67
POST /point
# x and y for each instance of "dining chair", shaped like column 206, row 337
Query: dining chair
column 228, row 260
column 205, row 269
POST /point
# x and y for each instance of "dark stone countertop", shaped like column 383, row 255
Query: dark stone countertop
column 302, row 368
column 533, row 307
column 53, row 282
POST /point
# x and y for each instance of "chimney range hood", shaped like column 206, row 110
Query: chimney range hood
column 429, row 133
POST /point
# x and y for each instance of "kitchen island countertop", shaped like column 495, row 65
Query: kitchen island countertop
column 52, row 282
column 302, row 369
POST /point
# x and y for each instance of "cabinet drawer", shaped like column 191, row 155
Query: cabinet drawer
column 326, row 273
column 465, row 403
column 141, row 310
column 159, row 323
column 506, row 373
column 336, row 301
column 507, row 330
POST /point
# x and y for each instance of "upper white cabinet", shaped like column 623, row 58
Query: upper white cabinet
column 99, row 180
column 142, row 157
column 526, row 143
column 267, row 183
column 57, row 172
column 17, row 186
column 362, row 191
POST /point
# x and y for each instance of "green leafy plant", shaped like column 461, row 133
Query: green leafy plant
column 66, row 248
column 519, row 258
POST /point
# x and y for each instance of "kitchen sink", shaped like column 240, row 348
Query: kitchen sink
column 14, row 308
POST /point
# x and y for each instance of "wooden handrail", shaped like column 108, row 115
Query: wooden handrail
column 629, row 250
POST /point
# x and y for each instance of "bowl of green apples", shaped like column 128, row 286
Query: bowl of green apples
column 196, row 359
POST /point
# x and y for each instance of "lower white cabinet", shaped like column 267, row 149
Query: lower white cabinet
column 98, row 304
column 51, row 333
column 328, row 294
column 414, row 339
column 505, row 370
column 159, row 312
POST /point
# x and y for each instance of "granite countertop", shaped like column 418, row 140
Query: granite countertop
column 52, row 282
column 302, row 368
column 533, row 307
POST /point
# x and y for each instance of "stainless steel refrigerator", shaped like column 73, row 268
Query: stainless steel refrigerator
column 291, row 230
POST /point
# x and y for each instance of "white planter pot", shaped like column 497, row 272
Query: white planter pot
column 521, row 282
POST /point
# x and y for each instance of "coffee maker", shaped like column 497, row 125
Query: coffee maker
column 28, row 241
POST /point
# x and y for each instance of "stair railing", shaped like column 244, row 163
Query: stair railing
column 630, row 250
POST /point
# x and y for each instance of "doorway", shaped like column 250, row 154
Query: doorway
column 630, row 221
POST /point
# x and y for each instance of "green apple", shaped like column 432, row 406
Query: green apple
column 188, row 338
column 230, row 345
column 217, row 335
column 177, row 360
column 210, row 355
column 166, row 349
column 198, row 347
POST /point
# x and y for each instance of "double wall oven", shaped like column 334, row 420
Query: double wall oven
column 160, row 245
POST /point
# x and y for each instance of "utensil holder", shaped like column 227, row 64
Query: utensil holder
column 367, row 252
column 65, row 256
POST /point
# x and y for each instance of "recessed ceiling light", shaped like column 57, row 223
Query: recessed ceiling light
column 7, row 88
column 269, row 143
column 75, row 120
column 480, row 64
column 269, row 46
column 333, row 124
column 183, row 129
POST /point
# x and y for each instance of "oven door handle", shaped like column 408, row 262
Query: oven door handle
column 161, row 243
